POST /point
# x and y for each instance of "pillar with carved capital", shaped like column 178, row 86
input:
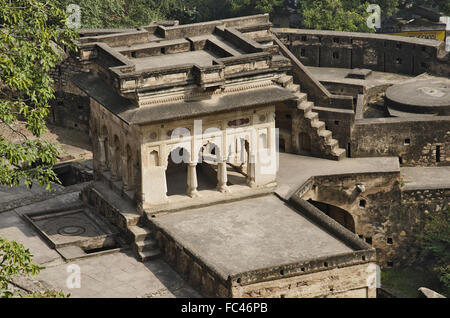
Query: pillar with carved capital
column 222, row 177
column 192, row 180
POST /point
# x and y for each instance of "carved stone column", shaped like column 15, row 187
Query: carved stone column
column 222, row 177
column 192, row 180
column 251, row 171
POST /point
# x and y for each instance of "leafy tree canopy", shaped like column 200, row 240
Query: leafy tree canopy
column 342, row 15
column 16, row 260
column 248, row 7
column 436, row 240
column 29, row 30
column 134, row 13
column 121, row 13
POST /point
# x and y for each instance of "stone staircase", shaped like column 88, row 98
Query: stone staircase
column 306, row 120
column 144, row 245
column 124, row 215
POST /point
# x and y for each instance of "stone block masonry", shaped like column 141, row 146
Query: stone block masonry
column 417, row 142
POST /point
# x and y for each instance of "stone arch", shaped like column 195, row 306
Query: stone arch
column 176, row 171
column 209, row 159
column 209, row 152
column 336, row 213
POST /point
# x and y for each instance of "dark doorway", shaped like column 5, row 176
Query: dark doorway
column 305, row 142
column 438, row 153
column 176, row 173
column 281, row 145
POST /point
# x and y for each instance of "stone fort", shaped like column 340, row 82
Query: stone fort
column 262, row 162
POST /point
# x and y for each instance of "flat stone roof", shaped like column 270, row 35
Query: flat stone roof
column 295, row 170
column 200, row 58
column 339, row 75
column 417, row 178
column 257, row 233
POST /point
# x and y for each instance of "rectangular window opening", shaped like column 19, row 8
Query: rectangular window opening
column 438, row 153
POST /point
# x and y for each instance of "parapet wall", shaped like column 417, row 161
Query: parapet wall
column 387, row 214
column 378, row 52
column 417, row 142
column 327, row 276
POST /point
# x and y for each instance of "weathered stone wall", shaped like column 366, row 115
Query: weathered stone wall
column 338, row 121
column 416, row 205
column 376, row 211
column 116, row 149
column 350, row 276
column 70, row 108
column 434, row 199
column 345, row 282
column 197, row 274
column 377, row 52
column 414, row 140
column 385, row 216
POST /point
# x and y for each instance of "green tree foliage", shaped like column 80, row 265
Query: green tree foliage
column 29, row 30
column 199, row 11
column 248, row 7
column 134, row 13
column 342, row 15
column 16, row 260
column 121, row 13
column 442, row 5
column 335, row 15
column 436, row 240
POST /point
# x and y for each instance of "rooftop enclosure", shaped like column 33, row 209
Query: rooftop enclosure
column 156, row 59
column 378, row 52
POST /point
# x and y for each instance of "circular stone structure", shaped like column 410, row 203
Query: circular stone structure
column 71, row 230
column 425, row 97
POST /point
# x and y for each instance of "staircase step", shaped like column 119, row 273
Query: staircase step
column 305, row 106
column 285, row 80
column 311, row 116
column 325, row 134
column 332, row 143
column 339, row 153
column 301, row 97
column 140, row 233
column 147, row 245
column 294, row 88
column 149, row 255
column 317, row 124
